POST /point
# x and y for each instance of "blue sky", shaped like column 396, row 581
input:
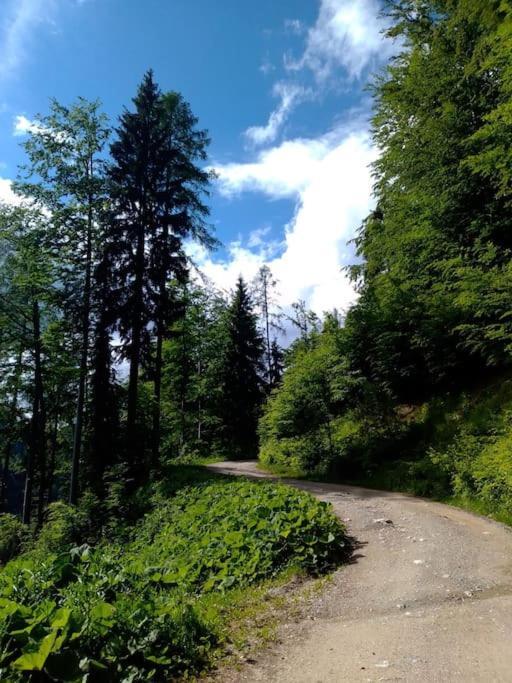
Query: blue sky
column 279, row 86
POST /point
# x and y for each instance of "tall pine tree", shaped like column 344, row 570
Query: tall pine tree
column 241, row 375
column 156, row 186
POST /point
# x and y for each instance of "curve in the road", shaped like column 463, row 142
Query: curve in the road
column 429, row 597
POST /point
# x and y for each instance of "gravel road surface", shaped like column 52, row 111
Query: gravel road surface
column 427, row 597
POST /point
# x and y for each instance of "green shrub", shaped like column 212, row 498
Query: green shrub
column 64, row 526
column 220, row 535
column 143, row 610
column 13, row 534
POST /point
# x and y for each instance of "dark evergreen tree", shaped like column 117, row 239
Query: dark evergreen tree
column 156, row 187
column 241, row 375
column 183, row 216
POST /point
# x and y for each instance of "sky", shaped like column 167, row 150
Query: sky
column 280, row 86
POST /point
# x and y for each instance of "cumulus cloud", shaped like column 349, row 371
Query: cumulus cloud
column 279, row 172
column 330, row 180
column 347, row 34
column 327, row 177
column 290, row 95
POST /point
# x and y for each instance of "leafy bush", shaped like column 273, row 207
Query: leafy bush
column 144, row 610
column 64, row 527
column 225, row 534
column 478, row 456
column 300, row 430
column 13, row 534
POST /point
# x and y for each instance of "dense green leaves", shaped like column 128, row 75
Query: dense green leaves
column 439, row 240
column 240, row 374
column 144, row 610
column 432, row 324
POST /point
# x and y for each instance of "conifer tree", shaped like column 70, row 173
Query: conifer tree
column 156, row 186
column 241, row 373
column 265, row 298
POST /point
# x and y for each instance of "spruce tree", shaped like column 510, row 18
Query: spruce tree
column 241, row 375
column 156, row 187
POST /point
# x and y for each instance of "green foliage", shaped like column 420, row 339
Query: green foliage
column 477, row 457
column 151, row 608
column 228, row 534
column 13, row 534
column 64, row 526
column 395, row 401
column 301, row 429
column 452, row 449
column 239, row 377
column 435, row 281
column 190, row 384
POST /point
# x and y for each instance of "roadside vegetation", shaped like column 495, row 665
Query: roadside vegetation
column 120, row 367
column 151, row 599
column 411, row 388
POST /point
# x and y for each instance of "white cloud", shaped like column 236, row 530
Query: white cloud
column 279, row 172
column 266, row 67
column 290, row 95
column 22, row 126
column 257, row 236
column 19, row 20
column 330, row 179
column 347, row 34
column 7, row 196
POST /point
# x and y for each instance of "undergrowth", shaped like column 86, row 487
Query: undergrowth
column 456, row 449
column 152, row 602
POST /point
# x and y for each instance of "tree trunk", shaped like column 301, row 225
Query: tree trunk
column 77, row 440
column 132, row 435
column 102, row 417
column 53, row 453
column 36, row 450
column 183, row 391
column 157, row 390
column 9, row 439
column 199, row 406
column 267, row 329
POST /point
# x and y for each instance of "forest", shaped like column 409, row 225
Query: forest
column 115, row 358
column 122, row 368
column 411, row 390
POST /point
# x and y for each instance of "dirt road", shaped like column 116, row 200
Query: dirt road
column 428, row 597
